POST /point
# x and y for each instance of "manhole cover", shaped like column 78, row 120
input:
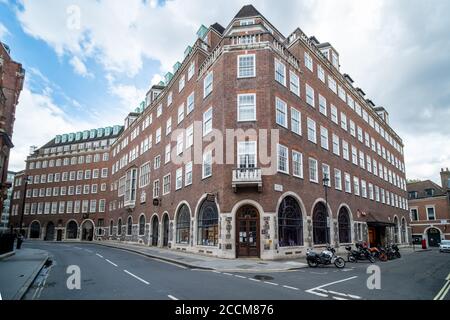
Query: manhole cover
column 263, row 278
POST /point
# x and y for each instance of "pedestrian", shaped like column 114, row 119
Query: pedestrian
column 19, row 241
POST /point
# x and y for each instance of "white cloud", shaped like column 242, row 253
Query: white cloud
column 38, row 119
column 400, row 62
column 3, row 31
column 80, row 67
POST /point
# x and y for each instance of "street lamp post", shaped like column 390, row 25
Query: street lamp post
column 325, row 181
column 23, row 203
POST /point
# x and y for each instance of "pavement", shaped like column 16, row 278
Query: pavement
column 107, row 272
column 196, row 261
column 18, row 272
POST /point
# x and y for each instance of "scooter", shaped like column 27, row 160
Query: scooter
column 326, row 257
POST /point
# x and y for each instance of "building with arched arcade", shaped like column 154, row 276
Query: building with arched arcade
column 256, row 145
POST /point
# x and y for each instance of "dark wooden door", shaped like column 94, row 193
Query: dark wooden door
column 247, row 232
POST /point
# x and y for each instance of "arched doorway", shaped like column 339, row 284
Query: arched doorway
column 50, row 232
column 247, row 232
column 165, row 230
column 396, row 230
column 183, row 226
column 345, row 235
column 72, row 230
column 434, row 237
column 155, row 231
column 403, row 230
column 321, row 224
column 208, row 224
column 87, row 231
column 35, row 230
column 290, row 223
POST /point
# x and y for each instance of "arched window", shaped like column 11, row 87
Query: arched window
column 35, row 230
column 155, row 231
column 129, row 226
column 141, row 225
column 208, row 224
column 183, row 225
column 403, row 230
column 111, row 227
column 321, row 228
column 72, row 230
column 290, row 223
column 119, row 227
column 395, row 229
column 344, row 226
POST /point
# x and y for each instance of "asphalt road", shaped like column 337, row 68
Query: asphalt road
column 108, row 273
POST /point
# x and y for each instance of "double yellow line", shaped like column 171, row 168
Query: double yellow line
column 441, row 294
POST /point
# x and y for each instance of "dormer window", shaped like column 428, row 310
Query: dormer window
column 247, row 22
column 335, row 60
column 413, row 195
column 429, row 192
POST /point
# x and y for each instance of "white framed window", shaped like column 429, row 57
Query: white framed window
column 337, row 179
column 166, row 184
column 343, row 121
column 158, row 135
column 180, row 143
column 281, row 112
column 342, row 94
column 190, row 103
column 360, row 134
column 312, row 133
column 181, row 83
column 348, row 184
column 280, row 72
column 334, row 114
column 332, row 84
column 144, row 175
column 207, row 121
column 191, row 70
column 159, row 111
column 320, row 73
column 431, row 214
column 246, row 66
column 362, row 162
column 356, row 186
column 371, row 193
column 352, row 128
column 246, row 156
column 313, row 170
column 297, row 164
column 167, row 154
column 296, row 121
column 322, row 105
column 180, row 113
column 310, row 96
column 326, row 174
column 169, row 100
column 208, row 84
column 189, row 136
column 179, row 179
column 336, row 146
column 156, row 189
column 294, row 82
column 324, row 138
column 363, row 188
column 207, row 165
column 157, row 162
column 246, row 107
column 282, row 156
column 188, row 174
column 308, row 61
column 345, row 150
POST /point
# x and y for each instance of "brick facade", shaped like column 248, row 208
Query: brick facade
column 235, row 213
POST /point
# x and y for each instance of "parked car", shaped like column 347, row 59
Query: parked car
column 444, row 246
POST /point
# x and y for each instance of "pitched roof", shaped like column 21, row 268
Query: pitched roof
column 216, row 26
column 247, row 11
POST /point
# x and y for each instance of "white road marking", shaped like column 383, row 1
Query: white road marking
column 256, row 280
column 216, row 271
column 99, row 255
column 272, row 283
column 90, row 251
column 320, row 288
column 289, row 287
column 443, row 292
column 136, row 277
column 337, row 298
column 318, row 294
column 115, row 265
column 238, row 276
column 228, row 274
column 172, row 297
column 1, row 296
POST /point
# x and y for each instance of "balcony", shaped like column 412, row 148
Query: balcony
column 247, row 177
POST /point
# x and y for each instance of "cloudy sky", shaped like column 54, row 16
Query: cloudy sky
column 89, row 72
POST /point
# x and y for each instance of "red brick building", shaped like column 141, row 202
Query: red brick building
column 255, row 145
column 11, row 83
column 429, row 206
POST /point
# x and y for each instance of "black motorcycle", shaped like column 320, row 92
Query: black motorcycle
column 393, row 252
column 326, row 257
column 362, row 253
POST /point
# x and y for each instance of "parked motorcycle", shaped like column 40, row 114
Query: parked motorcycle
column 362, row 253
column 326, row 257
column 379, row 253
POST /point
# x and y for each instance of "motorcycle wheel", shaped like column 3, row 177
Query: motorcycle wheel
column 339, row 263
column 383, row 257
column 371, row 259
column 312, row 264
column 351, row 258
column 398, row 255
